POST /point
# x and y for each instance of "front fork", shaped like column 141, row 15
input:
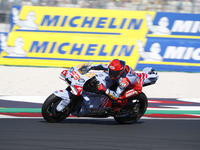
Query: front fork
column 64, row 95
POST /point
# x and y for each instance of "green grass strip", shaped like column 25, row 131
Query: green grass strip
column 172, row 112
column 20, row 110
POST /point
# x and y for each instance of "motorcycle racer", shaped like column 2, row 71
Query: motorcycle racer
column 127, row 81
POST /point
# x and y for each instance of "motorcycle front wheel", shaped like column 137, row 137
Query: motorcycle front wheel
column 49, row 111
column 143, row 103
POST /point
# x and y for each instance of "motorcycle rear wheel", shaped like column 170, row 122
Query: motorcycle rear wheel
column 143, row 101
column 49, row 111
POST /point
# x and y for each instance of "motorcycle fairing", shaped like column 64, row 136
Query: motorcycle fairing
column 105, row 103
column 63, row 75
column 93, row 104
column 76, row 90
column 96, row 100
column 64, row 94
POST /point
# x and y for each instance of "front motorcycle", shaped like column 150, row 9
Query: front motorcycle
column 96, row 105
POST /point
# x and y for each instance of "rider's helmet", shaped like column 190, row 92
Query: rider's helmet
column 116, row 68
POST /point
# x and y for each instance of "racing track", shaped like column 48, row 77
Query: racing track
column 99, row 134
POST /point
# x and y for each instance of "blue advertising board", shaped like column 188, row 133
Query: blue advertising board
column 173, row 43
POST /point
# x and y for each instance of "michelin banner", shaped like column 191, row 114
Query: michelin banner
column 64, row 37
column 64, row 51
column 169, row 54
column 173, row 42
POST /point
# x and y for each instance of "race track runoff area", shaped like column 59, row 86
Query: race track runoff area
column 30, row 107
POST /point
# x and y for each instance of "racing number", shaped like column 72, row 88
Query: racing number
column 75, row 75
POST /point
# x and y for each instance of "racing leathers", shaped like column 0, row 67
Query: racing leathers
column 128, row 84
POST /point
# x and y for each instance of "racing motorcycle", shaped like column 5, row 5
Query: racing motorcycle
column 86, row 102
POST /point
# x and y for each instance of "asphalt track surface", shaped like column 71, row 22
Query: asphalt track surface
column 99, row 134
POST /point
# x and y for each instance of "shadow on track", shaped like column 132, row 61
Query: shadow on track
column 92, row 121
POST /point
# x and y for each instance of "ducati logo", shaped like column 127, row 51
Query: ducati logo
column 79, row 88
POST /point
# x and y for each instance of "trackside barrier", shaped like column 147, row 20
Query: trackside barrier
column 64, row 37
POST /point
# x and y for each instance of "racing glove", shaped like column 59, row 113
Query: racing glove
column 111, row 94
column 101, row 89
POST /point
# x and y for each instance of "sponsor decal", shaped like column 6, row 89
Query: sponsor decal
column 71, row 69
column 89, row 75
column 97, row 110
column 75, row 75
column 172, row 42
column 16, row 50
column 80, row 65
column 68, row 51
column 77, row 90
column 113, row 95
column 124, row 83
column 78, row 21
column 64, row 72
column 78, row 84
column 112, row 67
column 100, row 75
column 173, row 24
column 130, row 93
column 170, row 50
column 105, row 102
column 81, row 80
